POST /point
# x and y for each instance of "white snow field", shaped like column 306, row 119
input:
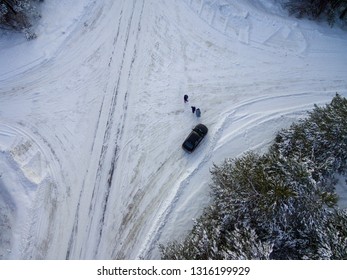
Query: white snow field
column 92, row 115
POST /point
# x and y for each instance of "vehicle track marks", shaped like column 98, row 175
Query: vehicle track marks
column 111, row 126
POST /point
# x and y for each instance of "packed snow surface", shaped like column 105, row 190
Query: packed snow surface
column 92, row 115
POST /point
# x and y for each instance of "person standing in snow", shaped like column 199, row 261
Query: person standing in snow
column 198, row 113
column 193, row 109
column 185, row 98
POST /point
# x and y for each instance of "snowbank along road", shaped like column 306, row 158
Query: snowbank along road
column 92, row 115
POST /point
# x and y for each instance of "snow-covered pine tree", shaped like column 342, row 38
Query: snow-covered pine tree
column 213, row 238
column 332, row 10
column 333, row 240
column 275, row 197
column 320, row 141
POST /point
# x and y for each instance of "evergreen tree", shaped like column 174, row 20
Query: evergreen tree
column 333, row 240
column 332, row 10
column 320, row 141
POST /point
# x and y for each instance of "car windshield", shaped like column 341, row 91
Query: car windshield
column 189, row 144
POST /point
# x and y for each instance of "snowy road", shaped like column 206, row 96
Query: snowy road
column 92, row 118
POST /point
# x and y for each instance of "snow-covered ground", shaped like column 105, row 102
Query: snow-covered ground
column 92, row 115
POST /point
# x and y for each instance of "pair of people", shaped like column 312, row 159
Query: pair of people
column 194, row 109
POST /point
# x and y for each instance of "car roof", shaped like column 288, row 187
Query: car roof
column 193, row 136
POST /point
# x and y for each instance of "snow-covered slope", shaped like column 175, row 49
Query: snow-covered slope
column 92, row 115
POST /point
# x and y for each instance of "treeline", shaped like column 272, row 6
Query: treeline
column 279, row 205
column 332, row 10
column 19, row 15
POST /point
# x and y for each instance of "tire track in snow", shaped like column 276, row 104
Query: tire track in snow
column 123, row 115
column 107, row 108
column 116, row 111
column 240, row 21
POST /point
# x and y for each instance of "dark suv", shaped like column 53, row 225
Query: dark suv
column 194, row 138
